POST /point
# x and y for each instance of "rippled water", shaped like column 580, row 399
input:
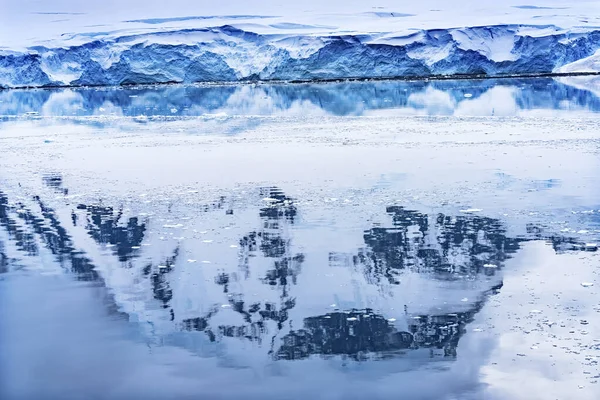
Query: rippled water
column 428, row 240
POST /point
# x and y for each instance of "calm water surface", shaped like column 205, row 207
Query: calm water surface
column 428, row 240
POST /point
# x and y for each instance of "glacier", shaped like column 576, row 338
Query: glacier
column 229, row 54
column 91, row 45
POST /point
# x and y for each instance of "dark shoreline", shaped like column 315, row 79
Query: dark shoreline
column 318, row 81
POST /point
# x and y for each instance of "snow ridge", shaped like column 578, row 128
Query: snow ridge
column 229, row 54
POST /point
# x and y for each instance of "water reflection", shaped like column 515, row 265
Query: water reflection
column 270, row 245
column 103, row 226
column 442, row 246
column 469, row 97
column 50, row 232
column 363, row 335
column 454, row 249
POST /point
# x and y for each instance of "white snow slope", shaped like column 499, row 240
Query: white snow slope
column 69, row 42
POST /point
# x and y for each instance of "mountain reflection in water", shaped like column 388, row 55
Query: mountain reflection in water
column 439, row 247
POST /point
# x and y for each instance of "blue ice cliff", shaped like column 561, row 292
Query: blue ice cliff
column 228, row 54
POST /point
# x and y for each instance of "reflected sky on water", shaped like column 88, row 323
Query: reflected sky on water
column 466, row 283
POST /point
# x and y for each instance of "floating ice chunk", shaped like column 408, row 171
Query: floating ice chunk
column 135, row 247
column 477, row 330
column 490, row 266
column 207, row 241
column 352, row 319
column 172, row 225
column 535, row 312
column 471, row 210
column 333, row 305
column 392, row 319
column 468, row 95
column 233, row 246
column 191, row 261
column 205, row 262
column 587, row 284
column 225, row 306
column 464, row 300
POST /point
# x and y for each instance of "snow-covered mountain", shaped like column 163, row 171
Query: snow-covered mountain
column 72, row 44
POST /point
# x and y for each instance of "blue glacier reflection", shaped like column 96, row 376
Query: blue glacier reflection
column 501, row 97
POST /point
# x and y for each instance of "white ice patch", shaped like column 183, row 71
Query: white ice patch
column 106, row 56
column 431, row 54
column 588, row 64
column 494, row 43
column 246, row 58
column 57, row 70
column 301, row 46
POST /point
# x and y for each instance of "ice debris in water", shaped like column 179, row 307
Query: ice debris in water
column 392, row 319
column 191, row 261
column 587, row 284
column 490, row 266
column 535, row 312
column 471, row 210
column 468, row 95
column 464, row 300
column 172, row 226
column 352, row 319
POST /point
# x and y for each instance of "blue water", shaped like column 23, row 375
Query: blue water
column 296, row 290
